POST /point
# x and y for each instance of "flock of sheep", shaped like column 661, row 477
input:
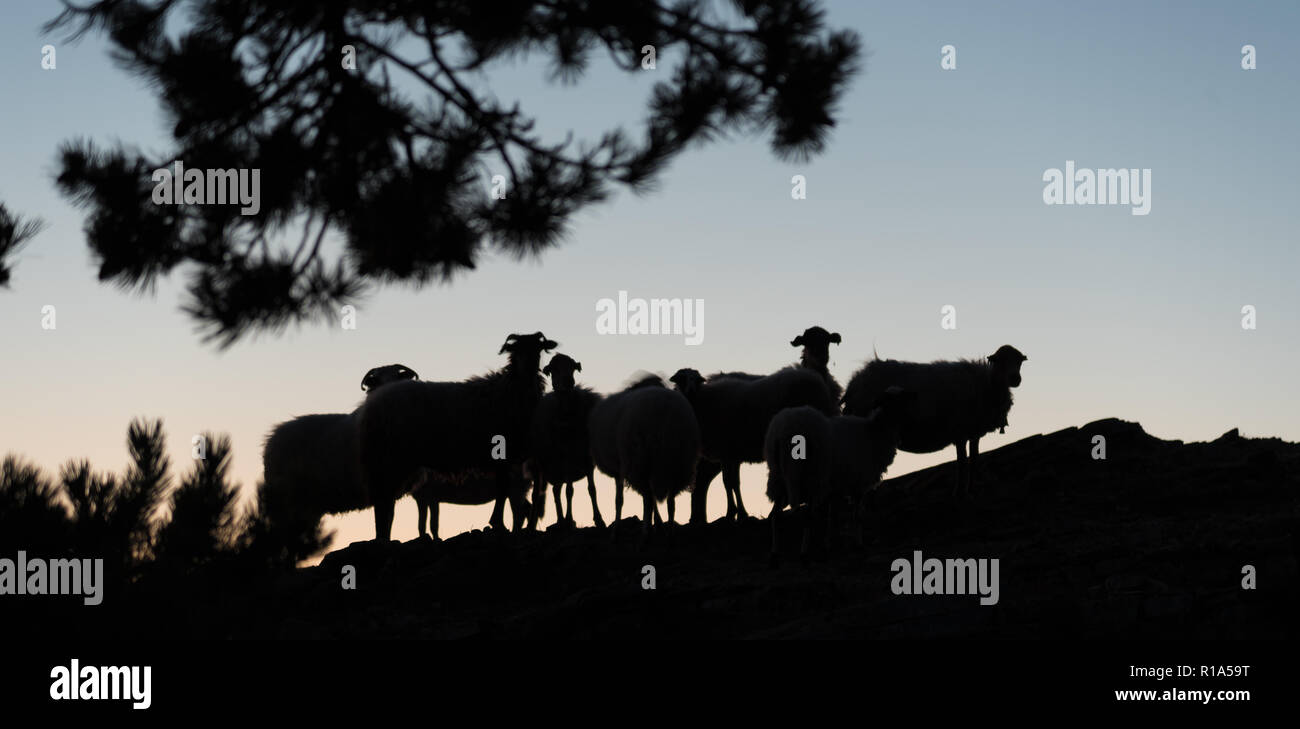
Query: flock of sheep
column 496, row 437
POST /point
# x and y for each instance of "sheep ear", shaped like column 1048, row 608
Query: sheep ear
column 835, row 338
column 547, row 369
column 577, row 366
column 796, row 341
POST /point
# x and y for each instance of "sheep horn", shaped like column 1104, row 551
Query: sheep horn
column 796, row 341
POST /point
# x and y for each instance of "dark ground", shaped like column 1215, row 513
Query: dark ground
column 1146, row 544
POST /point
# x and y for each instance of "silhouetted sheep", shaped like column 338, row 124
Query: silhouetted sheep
column 561, row 452
column 647, row 437
column 450, row 428
column 733, row 410
column 956, row 401
column 816, row 356
column 310, row 464
column 839, row 456
column 467, row 488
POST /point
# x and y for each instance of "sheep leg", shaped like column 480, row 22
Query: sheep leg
column 419, row 514
column 671, row 502
column 383, row 519
column 805, row 518
column 595, row 508
column 569, row 494
column 731, row 479
column 974, row 463
column 498, row 520
column 433, row 518
column 618, row 500
column 705, row 470
column 961, row 468
column 539, row 502
column 559, row 507
column 774, row 558
column 519, row 510
column 648, row 513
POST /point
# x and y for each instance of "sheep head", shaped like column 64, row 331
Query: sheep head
column 380, row 376
column 815, row 336
column 560, row 369
column 816, row 343
column 532, row 344
column 1006, row 365
column 688, row 381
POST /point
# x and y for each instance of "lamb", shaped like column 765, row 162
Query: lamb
column 733, row 410
column 311, row 465
column 816, row 356
column 816, row 461
column 561, row 453
column 957, row 401
column 647, row 437
column 450, row 428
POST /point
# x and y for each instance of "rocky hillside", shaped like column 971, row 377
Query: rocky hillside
column 1149, row 542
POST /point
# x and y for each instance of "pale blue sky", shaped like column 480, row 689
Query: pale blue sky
column 930, row 194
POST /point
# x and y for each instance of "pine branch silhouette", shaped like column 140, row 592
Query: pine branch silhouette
column 394, row 155
column 14, row 234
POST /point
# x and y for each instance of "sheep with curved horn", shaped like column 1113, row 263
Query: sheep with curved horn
column 480, row 424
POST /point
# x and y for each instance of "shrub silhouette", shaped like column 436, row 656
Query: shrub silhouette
column 95, row 515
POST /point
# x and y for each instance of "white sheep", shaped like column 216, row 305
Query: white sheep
column 451, row 427
column 647, row 438
column 957, row 402
column 310, row 463
column 817, row 461
column 733, row 410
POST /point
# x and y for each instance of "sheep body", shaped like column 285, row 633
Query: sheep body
column 956, row 401
column 468, row 488
column 839, row 456
column 311, row 463
column 451, row 427
column 560, row 445
column 647, row 437
column 733, row 410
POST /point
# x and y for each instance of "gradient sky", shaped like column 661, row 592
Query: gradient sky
column 930, row 194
